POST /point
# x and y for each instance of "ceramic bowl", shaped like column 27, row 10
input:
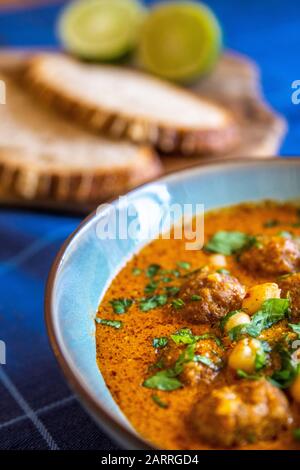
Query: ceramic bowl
column 86, row 264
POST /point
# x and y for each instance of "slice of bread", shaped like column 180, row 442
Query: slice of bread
column 43, row 156
column 124, row 103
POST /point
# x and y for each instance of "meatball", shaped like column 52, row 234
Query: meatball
column 243, row 413
column 290, row 288
column 272, row 256
column 205, row 367
column 208, row 297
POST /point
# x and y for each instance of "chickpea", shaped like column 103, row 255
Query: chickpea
column 295, row 389
column 239, row 318
column 256, row 296
column 244, row 354
column 219, row 261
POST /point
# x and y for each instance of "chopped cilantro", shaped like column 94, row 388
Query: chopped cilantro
column 162, row 380
column 153, row 270
column 183, row 336
column 136, row 271
column 159, row 402
column 195, row 297
column 223, row 271
column 206, row 361
column 172, row 290
column 285, row 234
column 184, row 265
column 151, row 287
column 160, row 342
column 113, row 323
column 271, row 223
column 244, row 375
column 296, row 434
column 225, row 319
column 178, row 303
column 153, row 302
column 295, row 327
column 228, row 243
column 121, row 305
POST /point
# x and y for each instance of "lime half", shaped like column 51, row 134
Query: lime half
column 100, row 29
column 180, row 41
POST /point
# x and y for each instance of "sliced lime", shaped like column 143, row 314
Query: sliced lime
column 100, row 29
column 180, row 41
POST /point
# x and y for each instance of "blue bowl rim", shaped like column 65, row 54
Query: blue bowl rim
column 119, row 432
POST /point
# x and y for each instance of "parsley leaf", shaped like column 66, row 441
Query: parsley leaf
column 272, row 311
column 159, row 402
column 183, row 336
column 121, row 306
column 184, row 265
column 153, row 270
column 295, row 327
column 113, row 323
column 162, row 380
column 160, row 342
column 228, row 243
column 178, row 303
column 152, row 302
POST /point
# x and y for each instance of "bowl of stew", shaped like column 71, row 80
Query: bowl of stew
column 170, row 347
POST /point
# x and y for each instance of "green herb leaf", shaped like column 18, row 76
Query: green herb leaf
column 184, row 265
column 153, row 270
column 172, row 290
column 223, row 271
column 296, row 434
column 210, row 336
column 160, row 342
column 244, row 375
column 162, row 381
column 183, row 336
column 178, row 303
column 295, row 327
column 159, row 402
column 225, row 319
column 150, row 288
column 284, row 377
column 153, row 302
column 228, row 243
column 136, row 271
column 113, row 323
column 206, row 361
column 285, row 234
column 121, row 306
column 271, row 223
column 272, row 311
column 195, row 297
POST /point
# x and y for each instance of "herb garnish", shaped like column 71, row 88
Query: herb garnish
column 244, row 375
column 206, row 361
column 160, row 343
column 151, row 287
column 271, row 223
column 153, row 302
column 136, row 271
column 271, row 312
column 229, row 243
column 296, row 434
column 184, row 265
column 172, row 290
column 223, row 271
column 178, row 303
column 153, row 270
column 295, row 327
column 284, row 377
column 121, row 306
column 195, row 297
column 159, row 402
column 113, row 323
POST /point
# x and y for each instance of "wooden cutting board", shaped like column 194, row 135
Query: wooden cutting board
column 235, row 82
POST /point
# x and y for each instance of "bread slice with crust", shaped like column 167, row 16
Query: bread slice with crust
column 124, row 103
column 43, row 156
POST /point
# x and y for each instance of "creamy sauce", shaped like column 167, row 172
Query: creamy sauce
column 124, row 355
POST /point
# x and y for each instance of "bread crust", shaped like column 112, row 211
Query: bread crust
column 165, row 137
column 30, row 180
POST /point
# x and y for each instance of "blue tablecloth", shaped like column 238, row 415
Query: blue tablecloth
column 37, row 409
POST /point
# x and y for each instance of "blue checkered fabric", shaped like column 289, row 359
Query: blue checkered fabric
column 37, row 409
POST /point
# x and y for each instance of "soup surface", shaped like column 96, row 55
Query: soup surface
column 200, row 348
